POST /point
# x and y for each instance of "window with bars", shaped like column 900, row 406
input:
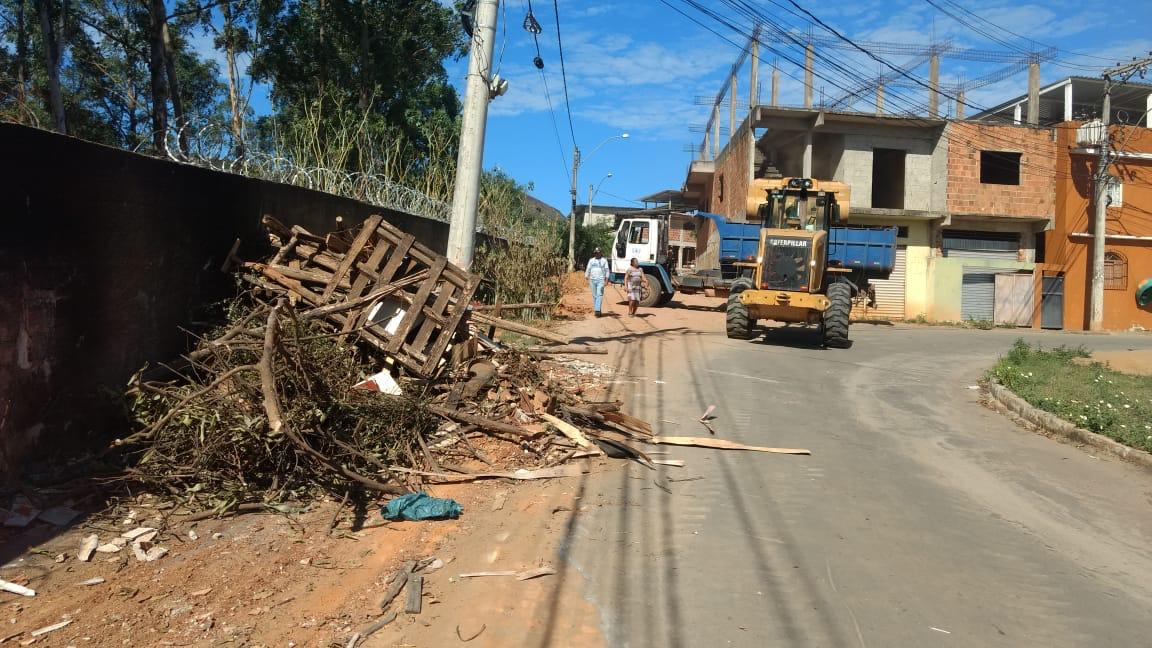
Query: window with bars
column 1115, row 271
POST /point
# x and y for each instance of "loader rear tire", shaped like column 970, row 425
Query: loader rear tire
column 738, row 324
column 836, row 318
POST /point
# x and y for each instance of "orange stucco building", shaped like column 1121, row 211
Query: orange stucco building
column 1128, row 244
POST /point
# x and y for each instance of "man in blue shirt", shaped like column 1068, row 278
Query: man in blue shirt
column 597, row 275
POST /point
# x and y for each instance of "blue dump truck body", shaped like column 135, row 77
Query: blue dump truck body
column 871, row 251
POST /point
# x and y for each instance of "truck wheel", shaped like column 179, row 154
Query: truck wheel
column 738, row 324
column 650, row 291
column 835, row 326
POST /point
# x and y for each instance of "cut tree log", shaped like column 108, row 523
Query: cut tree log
column 721, row 444
column 523, row 329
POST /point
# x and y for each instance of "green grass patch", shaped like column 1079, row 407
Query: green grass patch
column 1092, row 396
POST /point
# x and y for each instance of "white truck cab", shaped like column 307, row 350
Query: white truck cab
column 646, row 240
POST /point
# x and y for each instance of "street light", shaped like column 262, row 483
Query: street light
column 592, row 194
column 576, row 161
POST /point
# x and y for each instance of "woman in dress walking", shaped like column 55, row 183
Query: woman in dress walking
column 634, row 282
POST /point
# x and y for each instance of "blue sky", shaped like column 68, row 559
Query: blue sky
column 639, row 67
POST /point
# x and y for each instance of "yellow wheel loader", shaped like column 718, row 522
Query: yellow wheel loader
column 809, row 267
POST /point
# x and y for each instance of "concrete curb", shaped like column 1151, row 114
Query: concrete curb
column 1055, row 425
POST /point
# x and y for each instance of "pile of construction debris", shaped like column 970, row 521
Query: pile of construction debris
column 356, row 363
column 352, row 362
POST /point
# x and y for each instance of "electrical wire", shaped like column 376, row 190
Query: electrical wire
column 564, row 73
column 789, row 35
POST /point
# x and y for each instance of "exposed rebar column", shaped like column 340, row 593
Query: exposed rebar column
column 880, row 98
column 808, row 53
column 1034, row 93
column 934, row 85
column 754, row 77
column 732, row 109
column 775, row 86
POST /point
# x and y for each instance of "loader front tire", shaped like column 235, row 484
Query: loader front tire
column 836, row 318
column 738, row 324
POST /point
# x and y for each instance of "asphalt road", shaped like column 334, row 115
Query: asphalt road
column 921, row 518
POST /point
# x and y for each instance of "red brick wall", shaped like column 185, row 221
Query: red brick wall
column 730, row 181
column 1036, row 193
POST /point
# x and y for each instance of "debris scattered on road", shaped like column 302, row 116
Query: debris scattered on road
column 421, row 506
column 59, row 515
column 91, row 581
column 20, row 512
column 52, row 628
column 16, row 589
column 939, row 630
column 87, row 547
column 721, row 444
column 707, row 415
column 415, row 594
column 479, row 632
column 526, row 574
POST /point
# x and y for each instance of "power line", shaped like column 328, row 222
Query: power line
column 563, row 72
column 756, row 15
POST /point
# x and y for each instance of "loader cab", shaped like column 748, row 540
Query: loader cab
column 795, row 221
column 796, row 206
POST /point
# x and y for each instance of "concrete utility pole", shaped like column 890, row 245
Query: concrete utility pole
column 1102, row 180
column 577, row 160
column 572, row 214
column 477, row 94
column 808, row 75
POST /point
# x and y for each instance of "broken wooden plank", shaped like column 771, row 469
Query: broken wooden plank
column 568, row 430
column 524, row 574
column 362, row 238
column 534, row 305
column 721, row 444
column 523, row 329
column 630, row 422
column 7, row 586
column 448, row 332
column 415, row 594
column 568, row 348
column 52, row 628
column 418, row 302
column 481, row 422
column 88, row 547
column 397, row 581
column 556, row 472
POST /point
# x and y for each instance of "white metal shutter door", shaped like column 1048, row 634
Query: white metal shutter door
column 890, row 291
column 978, row 294
column 981, row 245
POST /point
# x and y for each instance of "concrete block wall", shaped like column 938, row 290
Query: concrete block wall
column 1036, row 193
column 921, row 187
column 105, row 256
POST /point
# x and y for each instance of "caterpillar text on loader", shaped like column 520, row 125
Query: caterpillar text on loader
column 794, row 278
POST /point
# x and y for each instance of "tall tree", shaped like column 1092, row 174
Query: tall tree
column 157, row 19
column 51, row 37
column 384, row 56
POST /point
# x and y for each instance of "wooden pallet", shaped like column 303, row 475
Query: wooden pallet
column 381, row 266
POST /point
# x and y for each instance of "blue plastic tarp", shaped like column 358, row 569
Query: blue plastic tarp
column 421, row 506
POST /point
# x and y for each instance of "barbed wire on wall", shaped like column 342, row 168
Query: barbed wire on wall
column 213, row 146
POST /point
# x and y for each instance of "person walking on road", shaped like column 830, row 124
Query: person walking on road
column 634, row 282
column 597, row 274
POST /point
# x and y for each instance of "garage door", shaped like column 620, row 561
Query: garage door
column 978, row 294
column 889, row 292
column 981, row 245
